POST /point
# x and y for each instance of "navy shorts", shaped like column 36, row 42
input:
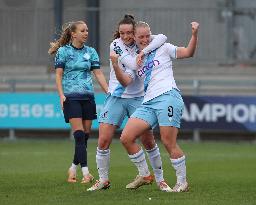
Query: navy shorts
column 85, row 109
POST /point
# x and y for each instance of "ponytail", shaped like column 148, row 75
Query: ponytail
column 65, row 37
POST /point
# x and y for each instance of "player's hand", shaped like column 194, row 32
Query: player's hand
column 195, row 27
column 139, row 58
column 62, row 100
column 114, row 57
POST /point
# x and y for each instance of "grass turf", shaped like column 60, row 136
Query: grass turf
column 34, row 172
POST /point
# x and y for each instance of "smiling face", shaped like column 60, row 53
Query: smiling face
column 142, row 36
column 126, row 33
column 80, row 34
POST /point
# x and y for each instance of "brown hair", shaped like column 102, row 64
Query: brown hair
column 65, row 36
column 128, row 19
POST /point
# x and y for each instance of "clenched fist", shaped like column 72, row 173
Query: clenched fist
column 195, row 27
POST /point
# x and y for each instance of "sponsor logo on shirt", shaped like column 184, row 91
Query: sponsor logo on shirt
column 147, row 67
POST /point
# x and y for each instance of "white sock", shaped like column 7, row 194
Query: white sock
column 85, row 171
column 180, row 167
column 156, row 163
column 103, row 160
column 73, row 166
column 140, row 162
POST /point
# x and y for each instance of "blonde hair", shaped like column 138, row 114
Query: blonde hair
column 65, row 36
column 141, row 24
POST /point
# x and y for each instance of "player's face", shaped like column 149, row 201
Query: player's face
column 81, row 33
column 142, row 37
column 126, row 33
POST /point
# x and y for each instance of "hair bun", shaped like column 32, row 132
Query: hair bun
column 130, row 16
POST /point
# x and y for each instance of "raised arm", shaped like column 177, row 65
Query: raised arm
column 186, row 52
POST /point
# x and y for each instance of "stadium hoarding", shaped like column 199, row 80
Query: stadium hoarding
column 236, row 113
column 43, row 111
column 35, row 111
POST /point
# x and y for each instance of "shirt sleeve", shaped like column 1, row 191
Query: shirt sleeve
column 95, row 60
column 60, row 58
column 156, row 42
column 171, row 50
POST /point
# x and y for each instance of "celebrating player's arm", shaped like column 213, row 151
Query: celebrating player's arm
column 132, row 63
column 125, row 78
column 118, row 53
column 155, row 42
column 187, row 52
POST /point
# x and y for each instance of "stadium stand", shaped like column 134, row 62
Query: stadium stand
column 204, row 80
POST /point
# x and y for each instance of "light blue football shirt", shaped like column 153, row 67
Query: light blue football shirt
column 77, row 64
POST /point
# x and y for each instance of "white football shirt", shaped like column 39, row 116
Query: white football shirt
column 127, row 62
column 157, row 73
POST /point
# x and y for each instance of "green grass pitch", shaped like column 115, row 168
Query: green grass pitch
column 35, row 171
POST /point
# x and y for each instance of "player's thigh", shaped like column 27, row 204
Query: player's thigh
column 76, row 124
column 133, row 129
column 87, row 125
column 169, row 135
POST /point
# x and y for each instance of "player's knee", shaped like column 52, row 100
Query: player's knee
column 125, row 139
column 148, row 143
column 104, row 142
column 148, row 146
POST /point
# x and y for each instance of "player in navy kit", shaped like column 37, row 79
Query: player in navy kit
column 74, row 63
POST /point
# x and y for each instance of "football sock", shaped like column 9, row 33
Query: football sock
column 102, row 160
column 85, row 171
column 73, row 166
column 80, row 148
column 156, row 163
column 180, row 167
column 140, row 162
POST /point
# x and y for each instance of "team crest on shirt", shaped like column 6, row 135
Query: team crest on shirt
column 86, row 56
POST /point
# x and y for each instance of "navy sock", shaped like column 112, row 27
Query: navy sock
column 86, row 138
column 80, row 148
column 84, row 163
